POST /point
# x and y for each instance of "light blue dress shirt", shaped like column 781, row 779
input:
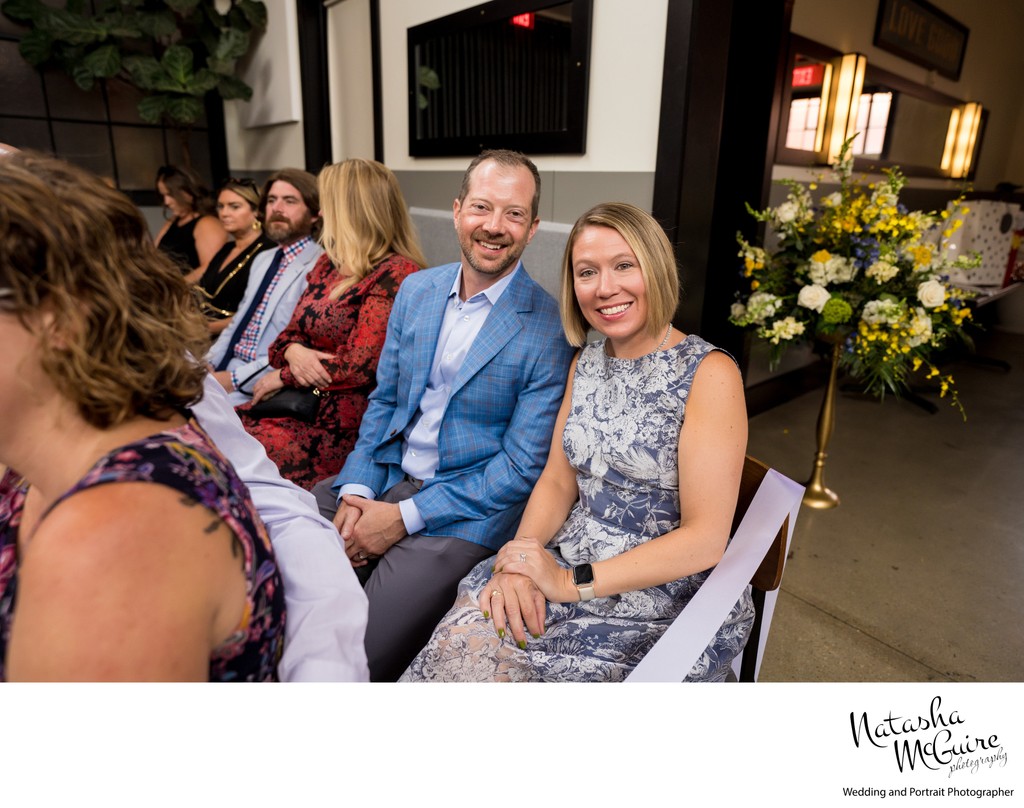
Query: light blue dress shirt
column 460, row 326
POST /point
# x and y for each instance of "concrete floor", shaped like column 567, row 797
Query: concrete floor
column 916, row 576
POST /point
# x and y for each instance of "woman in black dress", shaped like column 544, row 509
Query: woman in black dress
column 222, row 285
column 191, row 235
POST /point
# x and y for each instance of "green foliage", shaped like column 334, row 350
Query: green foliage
column 173, row 51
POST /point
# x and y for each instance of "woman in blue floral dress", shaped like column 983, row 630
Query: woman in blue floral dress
column 129, row 548
column 635, row 504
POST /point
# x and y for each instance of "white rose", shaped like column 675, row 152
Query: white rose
column 737, row 311
column 813, row 297
column 786, row 212
column 931, row 294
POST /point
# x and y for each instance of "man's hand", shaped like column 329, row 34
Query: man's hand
column 369, row 527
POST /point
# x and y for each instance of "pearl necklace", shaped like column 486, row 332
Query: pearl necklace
column 665, row 341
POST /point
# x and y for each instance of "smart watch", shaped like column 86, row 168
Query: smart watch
column 583, row 577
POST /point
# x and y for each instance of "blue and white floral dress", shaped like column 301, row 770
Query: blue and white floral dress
column 622, row 437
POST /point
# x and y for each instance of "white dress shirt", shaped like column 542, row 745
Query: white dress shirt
column 326, row 606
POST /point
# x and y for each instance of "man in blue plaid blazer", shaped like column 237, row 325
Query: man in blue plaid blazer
column 457, row 432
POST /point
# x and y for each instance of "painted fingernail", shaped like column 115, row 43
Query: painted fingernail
column 492, row 569
column 535, row 636
column 522, row 645
column 501, row 632
column 487, row 615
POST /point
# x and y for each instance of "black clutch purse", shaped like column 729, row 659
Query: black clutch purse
column 300, row 403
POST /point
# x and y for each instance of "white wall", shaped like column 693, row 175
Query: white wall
column 626, row 55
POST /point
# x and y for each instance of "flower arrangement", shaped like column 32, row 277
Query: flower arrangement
column 860, row 270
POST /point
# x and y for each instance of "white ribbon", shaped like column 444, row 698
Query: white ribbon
column 679, row 648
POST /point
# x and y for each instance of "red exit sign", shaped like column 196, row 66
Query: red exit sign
column 523, row 20
column 808, row 76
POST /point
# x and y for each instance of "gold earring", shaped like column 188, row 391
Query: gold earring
column 257, row 224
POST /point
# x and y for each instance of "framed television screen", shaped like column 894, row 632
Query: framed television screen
column 509, row 74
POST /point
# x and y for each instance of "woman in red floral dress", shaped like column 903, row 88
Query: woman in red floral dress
column 337, row 331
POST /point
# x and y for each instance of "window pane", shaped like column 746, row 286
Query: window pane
column 86, row 145
column 140, row 152
column 68, row 100
column 26, row 133
column 124, row 102
column 21, row 86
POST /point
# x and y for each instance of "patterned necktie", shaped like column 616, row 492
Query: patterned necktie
column 243, row 323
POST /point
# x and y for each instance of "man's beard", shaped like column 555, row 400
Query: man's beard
column 282, row 230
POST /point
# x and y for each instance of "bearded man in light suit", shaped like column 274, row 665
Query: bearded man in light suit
column 290, row 209
column 457, row 432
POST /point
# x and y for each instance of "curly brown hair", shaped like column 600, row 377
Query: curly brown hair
column 123, row 324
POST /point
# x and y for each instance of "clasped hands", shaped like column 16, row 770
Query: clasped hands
column 526, row 576
column 368, row 527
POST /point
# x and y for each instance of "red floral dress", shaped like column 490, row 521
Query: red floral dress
column 351, row 327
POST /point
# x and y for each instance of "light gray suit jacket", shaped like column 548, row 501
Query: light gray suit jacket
column 280, row 306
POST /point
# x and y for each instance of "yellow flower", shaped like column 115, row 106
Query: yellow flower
column 821, row 256
column 754, row 285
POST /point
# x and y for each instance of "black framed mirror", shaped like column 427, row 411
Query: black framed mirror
column 900, row 123
column 506, row 74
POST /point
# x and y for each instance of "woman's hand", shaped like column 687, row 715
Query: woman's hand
column 528, row 556
column 306, row 367
column 512, row 601
column 267, row 386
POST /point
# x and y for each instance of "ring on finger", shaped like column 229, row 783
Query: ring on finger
column 522, row 558
column 495, row 593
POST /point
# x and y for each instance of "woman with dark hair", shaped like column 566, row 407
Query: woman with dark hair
column 191, row 236
column 129, row 548
column 221, row 287
column 635, row 504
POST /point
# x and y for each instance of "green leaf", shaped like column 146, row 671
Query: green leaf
column 74, row 28
column 185, row 109
column 203, row 81
column 177, row 62
column 255, row 12
column 24, row 10
column 36, row 47
column 233, row 44
column 223, row 67
column 83, row 77
column 157, row 24
column 145, row 71
column 152, row 107
column 231, row 88
column 103, row 62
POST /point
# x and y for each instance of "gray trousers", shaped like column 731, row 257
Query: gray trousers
column 410, row 588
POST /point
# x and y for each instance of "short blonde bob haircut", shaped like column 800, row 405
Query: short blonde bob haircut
column 116, row 322
column 365, row 219
column 653, row 251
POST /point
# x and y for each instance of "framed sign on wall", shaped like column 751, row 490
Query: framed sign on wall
column 919, row 32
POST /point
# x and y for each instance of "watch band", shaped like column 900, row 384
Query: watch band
column 583, row 578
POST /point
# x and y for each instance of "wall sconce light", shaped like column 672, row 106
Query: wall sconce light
column 962, row 134
column 840, row 97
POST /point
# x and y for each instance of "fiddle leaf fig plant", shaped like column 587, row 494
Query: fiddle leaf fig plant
column 174, row 52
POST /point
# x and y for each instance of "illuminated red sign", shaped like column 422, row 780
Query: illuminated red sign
column 808, row 76
column 523, row 20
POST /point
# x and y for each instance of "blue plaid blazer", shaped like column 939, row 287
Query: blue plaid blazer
column 496, row 431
